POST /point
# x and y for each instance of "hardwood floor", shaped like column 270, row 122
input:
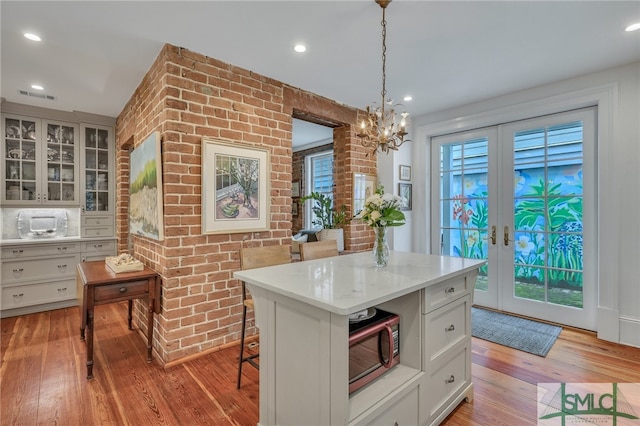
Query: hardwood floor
column 43, row 377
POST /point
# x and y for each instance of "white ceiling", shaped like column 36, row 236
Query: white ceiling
column 444, row 53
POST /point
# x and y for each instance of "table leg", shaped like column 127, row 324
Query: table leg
column 83, row 325
column 130, row 311
column 90, row 344
column 149, row 329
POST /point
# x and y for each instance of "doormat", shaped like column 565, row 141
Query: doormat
column 519, row 333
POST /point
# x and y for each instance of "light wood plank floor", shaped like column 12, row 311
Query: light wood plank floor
column 42, row 377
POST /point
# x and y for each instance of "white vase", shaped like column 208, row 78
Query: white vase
column 332, row 234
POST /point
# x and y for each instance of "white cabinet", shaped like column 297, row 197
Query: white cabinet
column 98, row 249
column 37, row 277
column 40, row 161
column 98, row 165
column 447, row 346
column 302, row 312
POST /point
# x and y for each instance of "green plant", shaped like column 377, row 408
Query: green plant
column 326, row 215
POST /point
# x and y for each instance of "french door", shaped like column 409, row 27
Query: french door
column 522, row 196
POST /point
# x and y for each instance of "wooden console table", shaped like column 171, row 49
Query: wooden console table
column 97, row 284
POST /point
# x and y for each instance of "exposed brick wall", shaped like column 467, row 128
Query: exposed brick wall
column 187, row 96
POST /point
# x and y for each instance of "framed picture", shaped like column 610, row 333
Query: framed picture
column 235, row 187
column 405, row 172
column 145, row 189
column 364, row 185
column 404, row 191
column 294, row 208
column 295, row 189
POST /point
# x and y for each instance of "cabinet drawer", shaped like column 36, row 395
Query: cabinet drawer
column 445, row 292
column 97, row 221
column 35, row 294
column 447, row 381
column 98, row 246
column 447, row 326
column 402, row 413
column 47, row 249
column 19, row 271
column 102, row 231
column 114, row 292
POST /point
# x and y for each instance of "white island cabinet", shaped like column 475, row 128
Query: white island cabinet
column 302, row 311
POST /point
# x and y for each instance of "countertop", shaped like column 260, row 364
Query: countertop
column 347, row 284
column 61, row 240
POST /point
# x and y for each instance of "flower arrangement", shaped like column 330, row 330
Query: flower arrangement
column 382, row 209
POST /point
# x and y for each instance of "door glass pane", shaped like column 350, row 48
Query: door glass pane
column 548, row 214
column 464, row 202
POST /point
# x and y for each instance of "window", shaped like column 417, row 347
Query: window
column 319, row 179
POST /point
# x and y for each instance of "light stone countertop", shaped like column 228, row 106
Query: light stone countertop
column 347, row 284
column 60, row 240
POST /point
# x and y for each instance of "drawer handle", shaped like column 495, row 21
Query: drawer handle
column 17, row 252
column 450, row 290
column 62, row 249
column 18, row 295
column 450, row 328
column 18, row 270
column 451, row 379
column 97, row 246
column 62, row 268
column 123, row 290
column 62, row 289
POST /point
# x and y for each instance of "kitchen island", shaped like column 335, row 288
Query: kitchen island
column 302, row 311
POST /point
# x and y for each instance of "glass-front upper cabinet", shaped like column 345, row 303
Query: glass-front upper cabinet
column 39, row 158
column 97, row 166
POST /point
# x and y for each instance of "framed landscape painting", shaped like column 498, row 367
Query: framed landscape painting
column 145, row 189
column 235, row 187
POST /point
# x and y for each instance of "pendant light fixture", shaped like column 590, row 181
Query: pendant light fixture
column 383, row 129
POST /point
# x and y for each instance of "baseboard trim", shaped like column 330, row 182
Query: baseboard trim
column 208, row 351
column 630, row 331
column 608, row 324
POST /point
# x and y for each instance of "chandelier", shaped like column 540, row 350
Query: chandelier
column 383, row 129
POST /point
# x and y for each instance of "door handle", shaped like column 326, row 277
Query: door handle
column 493, row 235
column 506, row 235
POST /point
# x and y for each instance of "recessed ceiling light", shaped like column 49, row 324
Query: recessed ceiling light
column 633, row 27
column 408, row 98
column 300, row 48
column 33, row 37
column 37, row 87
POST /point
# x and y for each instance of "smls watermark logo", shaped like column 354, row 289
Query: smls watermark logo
column 616, row 404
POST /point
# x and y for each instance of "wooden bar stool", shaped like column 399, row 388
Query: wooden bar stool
column 318, row 249
column 250, row 258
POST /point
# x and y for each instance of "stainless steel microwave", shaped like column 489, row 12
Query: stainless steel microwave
column 374, row 346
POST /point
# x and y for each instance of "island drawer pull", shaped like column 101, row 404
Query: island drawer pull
column 450, row 290
column 62, row 267
column 16, row 252
column 451, row 379
column 123, row 289
column 18, row 270
column 450, row 328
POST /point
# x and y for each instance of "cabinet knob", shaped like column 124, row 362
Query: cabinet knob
column 123, row 290
column 450, row 290
column 451, row 379
column 450, row 328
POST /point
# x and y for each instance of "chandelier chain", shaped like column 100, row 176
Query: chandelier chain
column 384, row 58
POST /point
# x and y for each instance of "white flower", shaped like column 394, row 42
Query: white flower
column 524, row 245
